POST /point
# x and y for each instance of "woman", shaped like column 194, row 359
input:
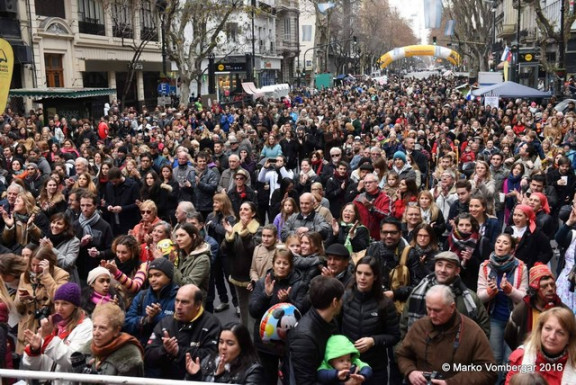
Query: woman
column 51, row 200
column 407, row 193
column 423, row 249
column 281, row 284
column 306, row 177
column 160, row 231
column 271, row 149
column 62, row 334
column 99, row 290
column 290, row 149
column 288, row 207
column 113, row 352
column 465, row 240
column 36, row 291
column 69, row 148
column 317, row 162
column 502, row 283
column 349, row 231
column 544, row 221
column 236, row 361
column 532, row 244
column 550, row 349
column 483, row 183
column 239, row 244
column 566, row 238
column 312, row 255
column 125, row 265
column 369, row 319
column 431, row 213
column 84, row 181
column 489, row 226
column 168, row 208
column 162, row 194
column 25, row 224
column 18, row 170
column 193, row 263
column 149, row 214
column 563, row 180
column 62, row 240
column 412, row 217
column 511, row 189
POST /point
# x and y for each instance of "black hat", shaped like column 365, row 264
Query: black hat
column 338, row 250
column 164, row 265
column 123, row 149
column 366, row 166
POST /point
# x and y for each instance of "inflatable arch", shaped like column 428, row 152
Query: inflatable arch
column 419, row 50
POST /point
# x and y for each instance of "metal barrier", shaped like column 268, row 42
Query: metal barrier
column 90, row 378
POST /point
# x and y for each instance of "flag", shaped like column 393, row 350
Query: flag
column 449, row 31
column 506, row 55
column 432, row 13
column 6, row 67
column 323, row 7
column 469, row 94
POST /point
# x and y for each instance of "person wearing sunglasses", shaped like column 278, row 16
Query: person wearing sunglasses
column 149, row 214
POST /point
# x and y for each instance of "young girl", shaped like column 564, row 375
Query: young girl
column 391, row 184
column 293, row 244
column 288, row 208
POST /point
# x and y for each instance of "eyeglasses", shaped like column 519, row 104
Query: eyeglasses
column 386, row 233
column 336, row 155
column 145, row 211
column 316, row 189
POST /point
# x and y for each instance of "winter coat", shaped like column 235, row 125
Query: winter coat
column 560, row 372
column 261, row 262
column 125, row 361
column 372, row 217
column 67, row 254
column 338, row 346
column 426, row 347
column 194, row 268
column 204, row 190
column 239, row 247
column 314, row 222
column 363, row 315
column 56, row 350
column 101, row 239
column 124, row 195
column 252, row 375
column 135, row 322
column 533, row 247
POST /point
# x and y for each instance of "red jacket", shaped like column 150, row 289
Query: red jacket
column 371, row 218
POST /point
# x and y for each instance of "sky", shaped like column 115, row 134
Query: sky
column 413, row 11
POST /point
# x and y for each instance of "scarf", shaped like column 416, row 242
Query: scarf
column 129, row 266
column 23, row 218
column 417, row 303
column 87, row 224
column 513, row 182
column 98, row 299
column 102, row 352
column 459, row 242
column 319, row 164
column 504, row 264
column 57, row 239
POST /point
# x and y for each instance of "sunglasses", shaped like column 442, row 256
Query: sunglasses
column 145, row 211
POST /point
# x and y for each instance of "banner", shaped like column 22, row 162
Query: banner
column 449, row 31
column 6, row 67
column 432, row 13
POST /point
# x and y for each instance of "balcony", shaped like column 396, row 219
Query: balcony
column 91, row 26
column 287, row 5
column 122, row 30
column 508, row 30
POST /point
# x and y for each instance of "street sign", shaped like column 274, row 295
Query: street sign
column 163, row 88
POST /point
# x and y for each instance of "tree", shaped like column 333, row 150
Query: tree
column 193, row 29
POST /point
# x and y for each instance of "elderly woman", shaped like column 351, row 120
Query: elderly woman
column 25, row 224
column 149, row 213
column 236, row 361
column 550, row 349
column 113, row 352
column 36, row 290
column 65, row 244
column 60, row 335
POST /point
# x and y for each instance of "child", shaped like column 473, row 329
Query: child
column 341, row 361
column 391, row 184
column 289, row 207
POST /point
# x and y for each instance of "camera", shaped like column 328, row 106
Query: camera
column 429, row 376
column 79, row 365
column 42, row 313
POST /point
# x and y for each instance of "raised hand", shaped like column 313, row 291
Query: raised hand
column 192, row 367
column 269, row 285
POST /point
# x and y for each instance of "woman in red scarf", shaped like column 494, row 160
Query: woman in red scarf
column 465, row 240
column 539, row 203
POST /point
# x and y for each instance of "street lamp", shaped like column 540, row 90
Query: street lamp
column 516, row 68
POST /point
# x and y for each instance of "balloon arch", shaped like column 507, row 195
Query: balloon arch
column 419, row 50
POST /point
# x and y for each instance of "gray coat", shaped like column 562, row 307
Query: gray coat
column 314, row 222
column 66, row 254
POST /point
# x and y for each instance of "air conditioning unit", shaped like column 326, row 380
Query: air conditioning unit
column 9, row 6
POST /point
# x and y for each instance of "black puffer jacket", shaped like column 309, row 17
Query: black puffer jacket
column 364, row 316
column 253, row 375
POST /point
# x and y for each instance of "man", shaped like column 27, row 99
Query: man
column 541, row 296
column 191, row 331
column 444, row 193
column 373, row 205
column 328, row 170
column 35, row 179
column 446, row 272
column 273, row 172
column 35, row 156
column 356, row 188
column 402, row 167
column 307, row 220
column 183, row 211
column 158, row 160
column 442, row 340
column 146, row 164
column 120, row 201
column 185, row 175
column 73, row 211
column 227, row 177
column 234, row 146
column 205, row 183
column 420, row 159
column 95, row 235
column 220, row 158
column 336, row 187
column 307, row 341
column 7, row 206
column 463, row 189
column 241, row 193
column 388, row 252
column 338, row 264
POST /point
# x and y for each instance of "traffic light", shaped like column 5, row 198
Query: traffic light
column 434, row 40
column 527, row 57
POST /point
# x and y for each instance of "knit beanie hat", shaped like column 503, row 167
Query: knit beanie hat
column 69, row 292
column 537, row 272
column 95, row 273
column 399, row 155
column 164, row 265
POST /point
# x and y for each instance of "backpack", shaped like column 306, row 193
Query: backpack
column 400, row 276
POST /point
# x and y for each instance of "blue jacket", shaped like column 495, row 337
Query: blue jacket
column 134, row 323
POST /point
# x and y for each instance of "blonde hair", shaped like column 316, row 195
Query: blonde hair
column 151, row 205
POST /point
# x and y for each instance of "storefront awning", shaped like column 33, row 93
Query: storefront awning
column 69, row 93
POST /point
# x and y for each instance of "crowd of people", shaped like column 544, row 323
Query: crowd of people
column 413, row 229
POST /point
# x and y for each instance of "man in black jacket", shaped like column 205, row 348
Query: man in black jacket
column 191, row 330
column 307, row 341
column 120, row 199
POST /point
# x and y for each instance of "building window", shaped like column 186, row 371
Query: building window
column 122, row 19
column 52, row 8
column 287, row 34
column 54, row 70
column 149, row 24
column 91, row 17
column 232, row 32
column 306, row 33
